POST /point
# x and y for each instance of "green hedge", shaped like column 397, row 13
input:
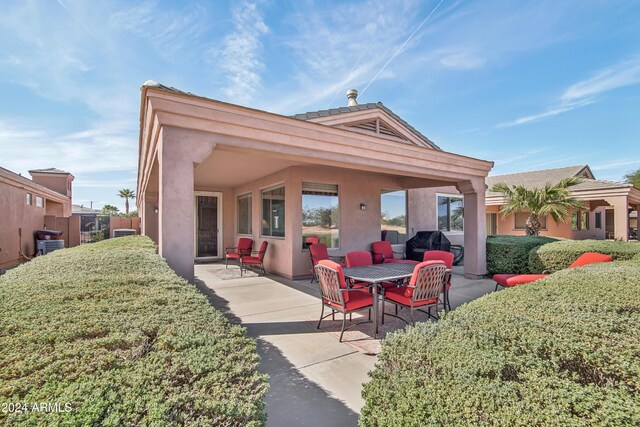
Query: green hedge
column 563, row 351
column 110, row 329
column 559, row 255
column 510, row 254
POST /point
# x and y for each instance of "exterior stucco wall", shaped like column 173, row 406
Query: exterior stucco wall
column 423, row 211
column 506, row 225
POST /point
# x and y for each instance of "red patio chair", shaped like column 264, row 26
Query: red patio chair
column 311, row 240
column 511, row 280
column 318, row 252
column 337, row 296
column 244, row 248
column 447, row 258
column 258, row 260
column 383, row 252
column 364, row 258
column 422, row 292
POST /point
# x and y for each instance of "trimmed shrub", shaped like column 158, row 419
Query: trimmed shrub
column 510, row 254
column 110, row 329
column 562, row 351
column 559, row 255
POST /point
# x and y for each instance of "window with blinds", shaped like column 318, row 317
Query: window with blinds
column 321, row 213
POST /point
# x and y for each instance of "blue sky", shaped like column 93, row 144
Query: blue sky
column 528, row 85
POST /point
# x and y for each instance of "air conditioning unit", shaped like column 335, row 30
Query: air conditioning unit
column 121, row 232
column 46, row 246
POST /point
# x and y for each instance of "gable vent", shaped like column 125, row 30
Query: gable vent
column 379, row 127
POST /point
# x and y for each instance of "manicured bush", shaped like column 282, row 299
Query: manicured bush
column 563, row 351
column 558, row 255
column 110, row 329
column 510, row 254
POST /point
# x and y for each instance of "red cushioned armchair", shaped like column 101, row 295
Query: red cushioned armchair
column 318, row 252
column 511, row 280
column 423, row 291
column 244, row 248
column 383, row 252
column 447, row 258
column 337, row 296
column 252, row 259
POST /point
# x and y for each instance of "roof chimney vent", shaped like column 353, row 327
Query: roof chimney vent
column 352, row 96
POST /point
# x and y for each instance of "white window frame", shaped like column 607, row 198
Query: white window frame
column 248, row 195
column 269, row 188
column 339, row 206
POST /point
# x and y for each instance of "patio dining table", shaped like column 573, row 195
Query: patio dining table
column 375, row 275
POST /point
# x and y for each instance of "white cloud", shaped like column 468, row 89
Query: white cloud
column 616, row 164
column 585, row 92
column 462, row 61
column 240, row 57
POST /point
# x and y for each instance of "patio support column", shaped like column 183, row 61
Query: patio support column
column 620, row 216
column 150, row 223
column 475, row 252
column 178, row 151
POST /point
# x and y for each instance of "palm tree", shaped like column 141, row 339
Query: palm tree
column 554, row 200
column 126, row 194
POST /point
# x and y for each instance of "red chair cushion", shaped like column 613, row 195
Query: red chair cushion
column 382, row 249
column 358, row 299
column 251, row 260
column 590, row 258
column 233, row 255
column 510, row 280
column 414, row 277
column 445, row 256
column 399, row 295
column 342, row 283
column 359, row 258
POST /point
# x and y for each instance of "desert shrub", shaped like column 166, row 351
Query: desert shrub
column 563, row 351
column 561, row 254
column 110, row 329
column 510, row 254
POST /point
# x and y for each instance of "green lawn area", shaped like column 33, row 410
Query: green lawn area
column 562, row 351
column 110, row 329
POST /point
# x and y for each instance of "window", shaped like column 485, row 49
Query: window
column 393, row 216
column 273, row 212
column 580, row 220
column 39, row 202
column 450, row 213
column 521, row 221
column 321, row 213
column 29, row 199
column 584, row 219
column 599, row 220
column 492, row 224
column 244, row 214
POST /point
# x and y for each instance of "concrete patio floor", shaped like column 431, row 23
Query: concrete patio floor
column 314, row 379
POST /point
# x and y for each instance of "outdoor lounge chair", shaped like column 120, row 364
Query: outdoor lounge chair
column 258, row 260
column 337, row 296
column 383, row 252
column 448, row 259
column 422, row 292
column 244, row 248
column 511, row 280
column 318, row 252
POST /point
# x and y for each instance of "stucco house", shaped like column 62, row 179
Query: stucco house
column 611, row 207
column 210, row 172
column 31, row 204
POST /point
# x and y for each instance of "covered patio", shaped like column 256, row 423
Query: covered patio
column 211, row 172
column 314, row 379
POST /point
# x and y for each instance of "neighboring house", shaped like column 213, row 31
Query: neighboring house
column 607, row 213
column 31, row 204
column 210, row 172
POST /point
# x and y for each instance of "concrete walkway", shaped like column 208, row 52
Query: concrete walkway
column 314, row 379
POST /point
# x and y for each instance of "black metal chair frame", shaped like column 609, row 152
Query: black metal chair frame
column 423, row 291
column 331, row 292
column 262, row 272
